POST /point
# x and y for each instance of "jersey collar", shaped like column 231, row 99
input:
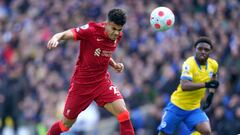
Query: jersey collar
column 199, row 65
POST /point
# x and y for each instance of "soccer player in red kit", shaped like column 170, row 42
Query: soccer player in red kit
column 90, row 80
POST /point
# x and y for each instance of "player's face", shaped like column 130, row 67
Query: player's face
column 113, row 30
column 202, row 51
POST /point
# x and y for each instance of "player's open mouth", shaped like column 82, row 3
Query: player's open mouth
column 203, row 56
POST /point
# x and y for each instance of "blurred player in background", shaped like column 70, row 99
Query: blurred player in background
column 198, row 75
column 90, row 80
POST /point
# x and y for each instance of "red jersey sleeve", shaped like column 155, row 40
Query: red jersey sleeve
column 82, row 32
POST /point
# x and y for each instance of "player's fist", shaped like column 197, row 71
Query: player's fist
column 212, row 84
column 118, row 67
column 52, row 43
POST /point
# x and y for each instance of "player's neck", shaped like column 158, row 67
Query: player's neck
column 201, row 62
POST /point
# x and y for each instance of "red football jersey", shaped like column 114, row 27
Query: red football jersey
column 90, row 67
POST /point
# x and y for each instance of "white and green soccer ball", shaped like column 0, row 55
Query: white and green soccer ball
column 162, row 19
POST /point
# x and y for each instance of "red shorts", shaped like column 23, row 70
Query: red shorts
column 81, row 96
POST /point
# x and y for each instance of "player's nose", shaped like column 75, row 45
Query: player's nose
column 116, row 32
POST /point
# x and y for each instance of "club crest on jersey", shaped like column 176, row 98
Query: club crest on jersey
column 210, row 74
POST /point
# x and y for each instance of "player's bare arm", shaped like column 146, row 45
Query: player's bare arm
column 54, row 41
column 209, row 97
column 118, row 67
column 212, row 90
column 189, row 85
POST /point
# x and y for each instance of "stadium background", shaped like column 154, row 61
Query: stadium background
column 34, row 80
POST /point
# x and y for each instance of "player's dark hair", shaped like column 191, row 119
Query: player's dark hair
column 118, row 16
column 203, row 40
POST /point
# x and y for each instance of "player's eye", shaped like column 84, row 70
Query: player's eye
column 115, row 29
column 203, row 49
column 206, row 49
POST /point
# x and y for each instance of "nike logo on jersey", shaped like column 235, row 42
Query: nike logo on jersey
column 68, row 111
column 99, row 39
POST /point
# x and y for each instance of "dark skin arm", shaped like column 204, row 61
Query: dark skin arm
column 214, row 77
column 210, row 96
column 190, row 86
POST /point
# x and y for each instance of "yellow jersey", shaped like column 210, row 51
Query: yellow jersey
column 193, row 71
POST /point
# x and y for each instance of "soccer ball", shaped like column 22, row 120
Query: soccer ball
column 162, row 18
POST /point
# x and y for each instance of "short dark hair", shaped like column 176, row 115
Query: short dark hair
column 203, row 40
column 118, row 16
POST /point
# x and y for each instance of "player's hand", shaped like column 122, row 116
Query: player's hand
column 208, row 101
column 52, row 43
column 118, row 67
column 212, row 84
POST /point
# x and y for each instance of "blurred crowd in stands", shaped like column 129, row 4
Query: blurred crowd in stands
column 34, row 80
